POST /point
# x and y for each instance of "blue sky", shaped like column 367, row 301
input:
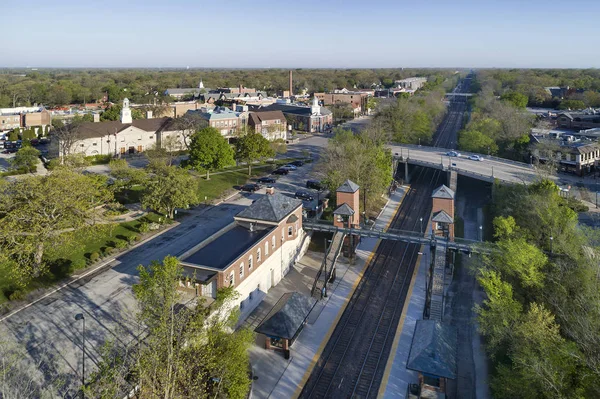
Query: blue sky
column 301, row 33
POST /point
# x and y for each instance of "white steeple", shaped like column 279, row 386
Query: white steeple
column 201, row 85
column 315, row 108
column 126, row 112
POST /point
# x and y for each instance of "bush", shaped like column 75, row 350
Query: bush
column 78, row 264
column 99, row 159
column 132, row 238
column 18, row 295
column 120, row 244
column 14, row 135
column 143, row 227
column 94, row 256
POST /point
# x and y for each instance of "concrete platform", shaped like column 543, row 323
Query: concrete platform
column 280, row 378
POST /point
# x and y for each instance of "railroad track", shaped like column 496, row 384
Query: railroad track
column 353, row 361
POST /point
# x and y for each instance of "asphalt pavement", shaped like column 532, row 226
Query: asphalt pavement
column 48, row 328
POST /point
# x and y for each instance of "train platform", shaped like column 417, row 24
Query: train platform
column 276, row 377
column 396, row 377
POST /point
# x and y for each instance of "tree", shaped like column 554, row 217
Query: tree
column 517, row 99
column 251, row 148
column 189, row 351
column 475, row 141
column 35, row 211
column 189, row 124
column 26, row 158
column 13, row 135
column 209, row 150
column 571, row 104
column 66, row 136
column 168, row 188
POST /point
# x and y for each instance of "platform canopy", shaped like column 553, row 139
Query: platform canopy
column 433, row 349
column 443, row 192
column 285, row 319
column 442, row 217
column 344, row 210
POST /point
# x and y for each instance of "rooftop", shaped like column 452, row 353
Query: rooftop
column 433, row 349
column 348, row 187
column 270, row 208
column 219, row 253
column 443, row 192
column 442, row 217
column 285, row 319
column 100, row 129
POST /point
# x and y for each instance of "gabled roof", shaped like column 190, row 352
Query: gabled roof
column 257, row 118
column 286, row 317
column 433, row 349
column 443, row 192
column 270, row 208
column 442, row 217
column 344, row 210
column 87, row 130
column 568, row 115
column 348, row 187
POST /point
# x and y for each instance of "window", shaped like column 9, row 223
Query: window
column 230, row 279
column 290, row 231
column 266, row 249
column 95, row 144
column 250, row 262
column 82, row 145
column 151, row 137
column 241, row 270
column 273, row 242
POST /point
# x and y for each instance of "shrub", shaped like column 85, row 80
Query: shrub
column 18, row 295
column 94, row 256
column 99, row 159
column 132, row 238
column 143, row 227
column 78, row 264
column 121, row 244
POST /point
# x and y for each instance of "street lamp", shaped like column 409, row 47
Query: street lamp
column 480, row 233
column 551, row 240
column 421, row 220
column 79, row 316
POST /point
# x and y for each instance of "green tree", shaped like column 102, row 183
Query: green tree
column 571, row 104
column 252, row 147
column 26, row 158
column 517, row 99
column 14, row 134
column 34, row 211
column 475, row 141
column 522, row 261
column 209, row 150
column 168, row 188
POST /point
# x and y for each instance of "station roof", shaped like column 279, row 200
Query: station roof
column 219, row 253
column 344, row 210
column 270, row 208
column 433, row 349
column 285, row 319
column 443, row 192
column 442, row 217
column 348, row 187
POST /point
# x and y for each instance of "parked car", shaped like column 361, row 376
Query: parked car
column 289, row 167
column 297, row 163
column 34, row 142
column 475, row 158
column 280, row 171
column 251, row 187
column 267, row 180
column 304, row 195
column 453, row 154
column 314, row 184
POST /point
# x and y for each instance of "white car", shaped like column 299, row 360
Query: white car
column 453, row 154
column 475, row 158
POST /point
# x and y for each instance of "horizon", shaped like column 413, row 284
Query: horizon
column 311, row 35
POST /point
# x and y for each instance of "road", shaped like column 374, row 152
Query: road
column 48, row 328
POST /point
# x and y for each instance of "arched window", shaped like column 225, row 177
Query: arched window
column 258, row 256
column 241, row 270
column 267, row 248
column 273, row 242
column 250, row 263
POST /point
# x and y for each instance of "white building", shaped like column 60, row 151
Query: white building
column 126, row 136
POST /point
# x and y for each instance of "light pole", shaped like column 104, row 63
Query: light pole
column 480, row 233
column 421, row 220
column 551, row 240
column 80, row 316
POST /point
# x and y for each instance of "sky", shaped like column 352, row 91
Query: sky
column 300, row 34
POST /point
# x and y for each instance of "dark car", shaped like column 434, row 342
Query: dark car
column 304, row 195
column 267, row 180
column 280, row 172
column 297, row 163
column 34, row 142
column 250, row 187
column 314, row 184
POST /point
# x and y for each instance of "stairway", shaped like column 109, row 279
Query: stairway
column 328, row 264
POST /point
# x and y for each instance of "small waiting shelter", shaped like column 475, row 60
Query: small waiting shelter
column 443, row 212
column 433, row 356
column 284, row 322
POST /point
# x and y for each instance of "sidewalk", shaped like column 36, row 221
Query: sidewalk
column 280, row 378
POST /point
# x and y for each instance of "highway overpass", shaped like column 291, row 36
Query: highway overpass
column 489, row 169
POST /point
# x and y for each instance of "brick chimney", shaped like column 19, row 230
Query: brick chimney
column 291, row 93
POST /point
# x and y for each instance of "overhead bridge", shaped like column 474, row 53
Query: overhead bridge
column 459, row 244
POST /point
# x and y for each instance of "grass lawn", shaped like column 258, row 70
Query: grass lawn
column 78, row 248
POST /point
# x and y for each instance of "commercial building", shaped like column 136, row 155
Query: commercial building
column 411, row 83
column 271, row 124
column 578, row 121
column 24, row 117
column 126, row 136
column 252, row 254
column 571, row 154
column 357, row 100
column 313, row 118
column 227, row 121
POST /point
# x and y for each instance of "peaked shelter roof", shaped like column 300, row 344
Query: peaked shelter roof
column 442, row 217
column 433, row 349
column 348, row 187
column 443, row 192
column 287, row 316
column 271, row 208
column 344, row 210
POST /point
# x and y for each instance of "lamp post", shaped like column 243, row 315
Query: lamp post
column 480, row 233
column 551, row 240
column 421, row 220
column 80, row 316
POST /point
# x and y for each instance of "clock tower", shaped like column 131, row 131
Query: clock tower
column 126, row 112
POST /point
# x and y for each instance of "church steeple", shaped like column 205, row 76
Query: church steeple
column 201, row 85
column 315, row 108
column 126, row 112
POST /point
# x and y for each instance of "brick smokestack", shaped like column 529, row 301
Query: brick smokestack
column 291, row 93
